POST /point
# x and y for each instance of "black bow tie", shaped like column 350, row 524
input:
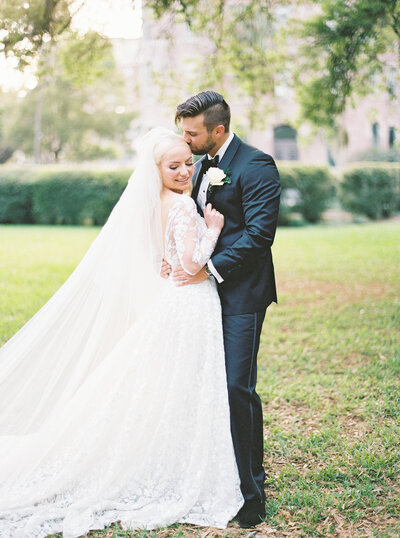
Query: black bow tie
column 208, row 163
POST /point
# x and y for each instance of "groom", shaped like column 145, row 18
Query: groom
column 246, row 191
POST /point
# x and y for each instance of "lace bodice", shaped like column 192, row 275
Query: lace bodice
column 188, row 241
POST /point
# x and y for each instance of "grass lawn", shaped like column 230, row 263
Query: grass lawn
column 329, row 371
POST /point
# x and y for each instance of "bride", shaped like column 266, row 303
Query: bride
column 113, row 398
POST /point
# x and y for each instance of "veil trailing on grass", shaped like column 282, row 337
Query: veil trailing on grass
column 117, row 280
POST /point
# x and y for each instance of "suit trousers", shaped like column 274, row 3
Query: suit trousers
column 241, row 342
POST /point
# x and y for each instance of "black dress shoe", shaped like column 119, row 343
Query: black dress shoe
column 251, row 514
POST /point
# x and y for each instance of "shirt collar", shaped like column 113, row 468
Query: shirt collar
column 223, row 148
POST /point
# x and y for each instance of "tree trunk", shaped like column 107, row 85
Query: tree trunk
column 37, row 132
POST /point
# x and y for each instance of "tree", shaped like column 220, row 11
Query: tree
column 242, row 54
column 6, row 148
column 25, row 26
column 334, row 54
column 78, row 109
column 345, row 49
column 76, row 77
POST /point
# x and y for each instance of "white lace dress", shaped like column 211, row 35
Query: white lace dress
column 146, row 439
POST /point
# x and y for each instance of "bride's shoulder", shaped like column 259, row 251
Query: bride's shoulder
column 183, row 202
column 178, row 206
column 187, row 200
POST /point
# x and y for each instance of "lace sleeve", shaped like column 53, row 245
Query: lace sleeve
column 194, row 248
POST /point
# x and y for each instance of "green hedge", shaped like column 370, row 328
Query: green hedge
column 53, row 196
column 46, row 195
column 76, row 197
column 58, row 196
column 306, row 192
column 372, row 189
column 15, row 197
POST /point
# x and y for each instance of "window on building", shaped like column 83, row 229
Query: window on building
column 375, row 134
column 392, row 136
column 330, row 157
column 392, row 82
column 285, row 143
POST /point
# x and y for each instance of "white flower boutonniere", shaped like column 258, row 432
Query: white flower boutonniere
column 217, row 177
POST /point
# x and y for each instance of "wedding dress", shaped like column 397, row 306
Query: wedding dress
column 141, row 433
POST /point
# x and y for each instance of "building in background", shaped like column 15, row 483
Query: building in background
column 158, row 65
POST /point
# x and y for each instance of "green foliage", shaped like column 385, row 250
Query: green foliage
column 15, row 196
column 86, row 59
column 26, row 26
column 68, row 197
column 343, row 48
column 306, row 190
column 6, row 149
column 380, row 155
column 78, row 110
column 373, row 191
column 242, row 54
column 185, row 7
column 54, row 196
column 59, row 196
column 336, row 52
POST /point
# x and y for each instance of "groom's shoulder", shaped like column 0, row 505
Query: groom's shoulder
column 251, row 154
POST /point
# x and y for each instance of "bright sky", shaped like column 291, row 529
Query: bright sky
column 113, row 18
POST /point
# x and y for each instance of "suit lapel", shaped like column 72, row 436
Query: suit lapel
column 196, row 180
column 226, row 161
column 229, row 153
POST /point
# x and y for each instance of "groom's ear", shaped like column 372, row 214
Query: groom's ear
column 219, row 130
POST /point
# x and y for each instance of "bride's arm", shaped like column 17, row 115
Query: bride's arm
column 195, row 250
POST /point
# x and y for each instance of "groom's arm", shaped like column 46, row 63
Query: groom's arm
column 260, row 198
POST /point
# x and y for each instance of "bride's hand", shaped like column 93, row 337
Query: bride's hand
column 213, row 218
column 165, row 269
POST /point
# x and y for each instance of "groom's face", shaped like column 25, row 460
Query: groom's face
column 196, row 135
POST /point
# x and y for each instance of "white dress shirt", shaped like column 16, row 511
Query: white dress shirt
column 202, row 196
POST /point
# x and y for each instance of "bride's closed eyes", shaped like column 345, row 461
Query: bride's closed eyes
column 174, row 167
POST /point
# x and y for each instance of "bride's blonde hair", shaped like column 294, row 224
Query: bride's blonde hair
column 165, row 143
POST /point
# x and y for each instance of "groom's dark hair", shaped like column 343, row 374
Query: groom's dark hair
column 214, row 107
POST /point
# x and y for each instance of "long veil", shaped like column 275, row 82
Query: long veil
column 115, row 283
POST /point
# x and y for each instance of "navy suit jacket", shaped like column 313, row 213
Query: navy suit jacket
column 250, row 204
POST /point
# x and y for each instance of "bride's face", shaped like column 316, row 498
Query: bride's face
column 176, row 168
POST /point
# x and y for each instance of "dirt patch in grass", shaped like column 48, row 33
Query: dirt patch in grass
column 318, row 291
column 354, row 426
column 367, row 527
column 293, row 414
column 191, row 531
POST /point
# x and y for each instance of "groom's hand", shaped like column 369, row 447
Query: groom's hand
column 181, row 278
column 165, row 269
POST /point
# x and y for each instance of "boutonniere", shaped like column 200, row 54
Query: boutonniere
column 217, row 177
